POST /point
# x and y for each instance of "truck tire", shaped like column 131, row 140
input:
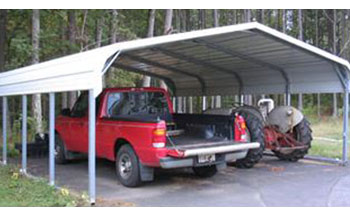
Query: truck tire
column 256, row 132
column 206, row 171
column 303, row 134
column 60, row 155
column 127, row 167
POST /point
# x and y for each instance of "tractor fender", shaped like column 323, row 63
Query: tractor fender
column 285, row 118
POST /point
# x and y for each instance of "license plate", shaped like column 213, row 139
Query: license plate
column 208, row 158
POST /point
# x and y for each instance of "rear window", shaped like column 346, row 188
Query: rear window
column 137, row 104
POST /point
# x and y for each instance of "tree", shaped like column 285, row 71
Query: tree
column 317, row 45
column 146, row 81
column 36, row 101
column 99, row 30
column 167, row 30
column 3, row 21
column 72, row 35
column 300, row 37
column 216, row 17
column 334, row 32
column 113, row 34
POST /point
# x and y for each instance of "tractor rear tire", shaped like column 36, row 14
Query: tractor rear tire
column 304, row 135
column 255, row 128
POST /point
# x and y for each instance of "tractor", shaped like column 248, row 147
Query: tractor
column 283, row 130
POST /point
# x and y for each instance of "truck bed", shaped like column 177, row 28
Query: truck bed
column 183, row 142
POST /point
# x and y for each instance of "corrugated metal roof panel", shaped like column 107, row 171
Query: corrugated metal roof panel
column 251, row 56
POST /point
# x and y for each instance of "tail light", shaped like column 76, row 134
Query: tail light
column 240, row 129
column 159, row 135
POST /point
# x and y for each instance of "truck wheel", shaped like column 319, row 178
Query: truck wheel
column 207, row 171
column 127, row 166
column 255, row 128
column 60, row 155
column 302, row 133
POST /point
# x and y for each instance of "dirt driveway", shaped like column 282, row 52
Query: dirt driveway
column 270, row 183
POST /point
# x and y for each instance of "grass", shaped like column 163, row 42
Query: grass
column 326, row 127
column 18, row 190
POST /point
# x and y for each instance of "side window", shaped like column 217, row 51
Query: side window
column 80, row 108
column 113, row 103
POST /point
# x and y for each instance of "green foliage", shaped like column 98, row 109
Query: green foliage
column 18, row 190
column 121, row 78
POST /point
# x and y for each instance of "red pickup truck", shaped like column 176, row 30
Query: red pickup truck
column 137, row 128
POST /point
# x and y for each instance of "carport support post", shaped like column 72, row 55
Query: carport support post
column 346, row 122
column 92, row 149
column 288, row 97
column 204, row 103
column 24, row 134
column 4, row 130
column 52, row 139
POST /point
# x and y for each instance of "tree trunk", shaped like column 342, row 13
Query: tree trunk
column 146, row 80
column 107, row 78
column 300, row 36
column 334, row 31
column 283, row 20
column 247, row 15
column 113, row 29
column 316, row 43
column 72, row 34
column 3, row 21
column 182, row 14
column 99, row 31
column 167, row 30
column 216, row 17
column 36, row 100
column 262, row 18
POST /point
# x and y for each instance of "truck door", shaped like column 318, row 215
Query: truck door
column 79, row 125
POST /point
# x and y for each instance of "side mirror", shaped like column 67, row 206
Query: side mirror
column 65, row 112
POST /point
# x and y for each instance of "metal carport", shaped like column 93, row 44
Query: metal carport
column 240, row 59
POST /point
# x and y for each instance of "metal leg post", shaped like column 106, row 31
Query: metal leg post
column 4, row 130
column 52, row 140
column 24, row 134
column 92, row 149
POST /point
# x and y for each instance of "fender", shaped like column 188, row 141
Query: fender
column 285, row 118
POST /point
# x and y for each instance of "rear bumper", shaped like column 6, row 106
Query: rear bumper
column 223, row 154
column 220, row 149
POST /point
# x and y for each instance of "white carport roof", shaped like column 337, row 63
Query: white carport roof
column 250, row 58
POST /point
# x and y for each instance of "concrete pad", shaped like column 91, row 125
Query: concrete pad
column 270, row 183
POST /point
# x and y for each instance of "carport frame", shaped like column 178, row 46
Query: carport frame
column 342, row 73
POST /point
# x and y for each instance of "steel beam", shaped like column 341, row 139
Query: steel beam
column 169, row 68
column 92, row 147
column 201, row 63
column 52, row 139
column 24, row 134
column 167, row 80
column 4, row 130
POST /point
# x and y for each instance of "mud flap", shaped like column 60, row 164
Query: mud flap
column 146, row 173
column 221, row 166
